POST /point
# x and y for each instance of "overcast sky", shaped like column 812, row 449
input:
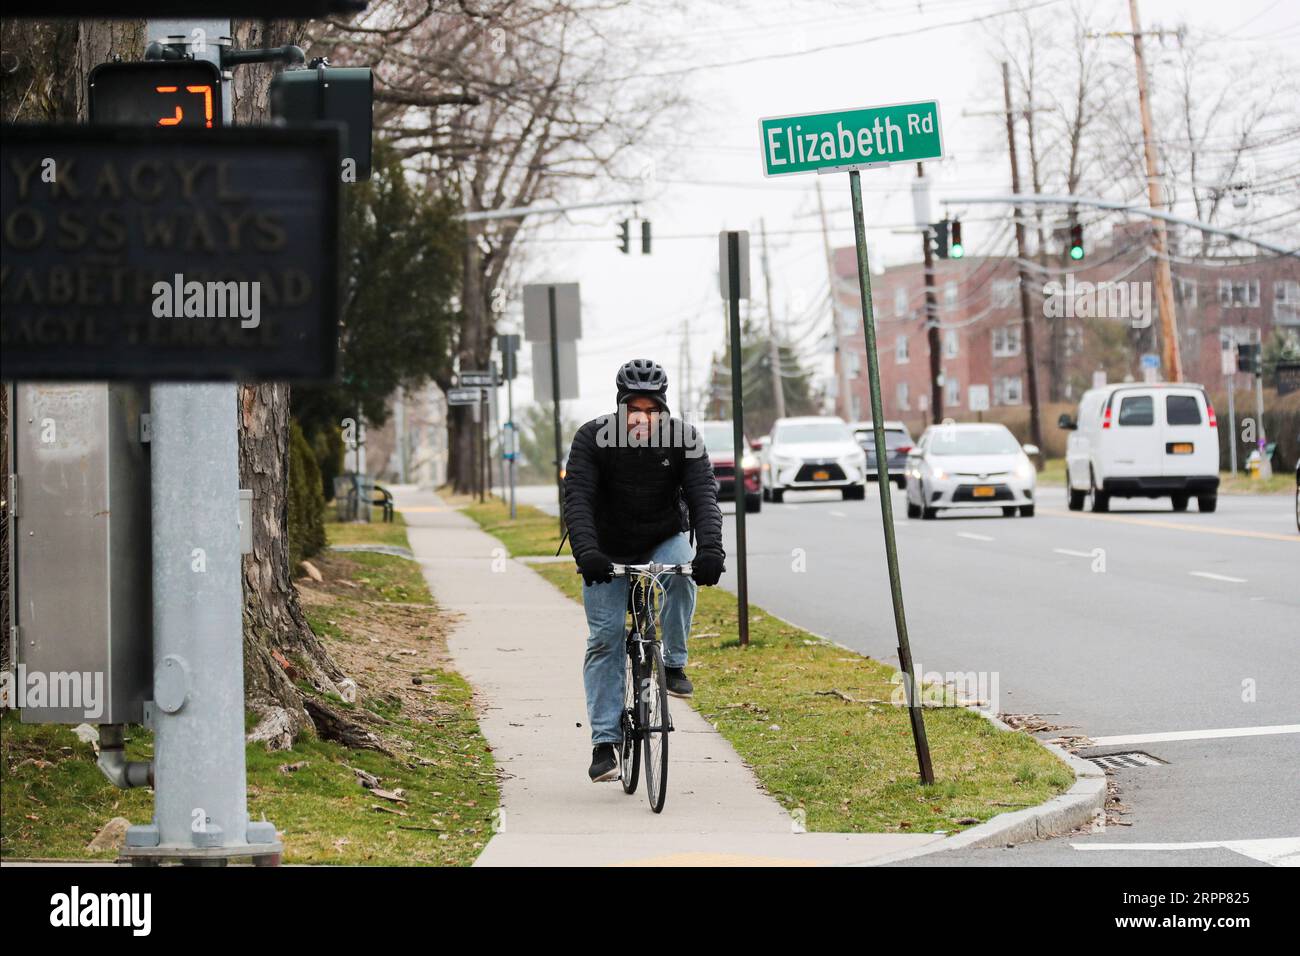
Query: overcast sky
column 640, row 306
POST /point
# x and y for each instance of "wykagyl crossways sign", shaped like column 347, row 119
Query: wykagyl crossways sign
column 136, row 253
column 851, row 139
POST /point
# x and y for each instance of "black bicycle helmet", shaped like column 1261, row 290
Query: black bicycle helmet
column 642, row 377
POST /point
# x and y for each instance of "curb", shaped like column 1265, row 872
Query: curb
column 1052, row 818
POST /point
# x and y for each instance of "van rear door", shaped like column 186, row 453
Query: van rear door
column 1189, row 444
column 1131, row 446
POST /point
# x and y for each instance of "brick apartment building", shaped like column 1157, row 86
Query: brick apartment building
column 981, row 341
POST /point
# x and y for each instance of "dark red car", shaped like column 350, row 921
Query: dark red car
column 717, row 437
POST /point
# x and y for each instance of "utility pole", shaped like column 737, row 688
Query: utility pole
column 1171, row 356
column 1026, row 310
column 844, row 402
column 773, row 353
column 931, row 321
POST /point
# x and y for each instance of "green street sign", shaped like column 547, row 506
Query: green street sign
column 851, row 139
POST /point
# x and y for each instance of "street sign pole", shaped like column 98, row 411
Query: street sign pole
column 882, row 471
column 555, row 399
column 1232, row 422
column 738, row 434
column 510, row 414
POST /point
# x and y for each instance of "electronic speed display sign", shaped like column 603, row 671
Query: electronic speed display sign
column 168, row 94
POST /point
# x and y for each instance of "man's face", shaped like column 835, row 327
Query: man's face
column 641, row 415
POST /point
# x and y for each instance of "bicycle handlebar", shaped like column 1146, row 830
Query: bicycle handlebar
column 623, row 570
column 652, row 568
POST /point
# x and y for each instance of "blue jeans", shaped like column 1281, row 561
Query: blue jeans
column 605, row 665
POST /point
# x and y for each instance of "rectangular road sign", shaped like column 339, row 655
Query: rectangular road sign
column 464, row 396
column 537, row 314
column 486, row 379
column 851, row 139
column 168, row 254
column 568, row 361
column 724, row 263
column 977, row 398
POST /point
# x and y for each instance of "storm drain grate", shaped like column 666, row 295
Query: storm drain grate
column 1126, row 761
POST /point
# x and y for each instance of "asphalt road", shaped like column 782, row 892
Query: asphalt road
column 1141, row 622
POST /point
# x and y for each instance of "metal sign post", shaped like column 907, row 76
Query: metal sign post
column 552, row 314
column 200, row 794
column 851, row 141
column 509, row 345
column 734, row 247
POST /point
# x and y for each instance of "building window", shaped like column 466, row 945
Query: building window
column 900, row 350
column 1004, row 292
column 855, row 364
column 952, row 392
column 856, row 403
column 951, row 343
column 1286, row 301
column 1006, row 341
column 900, row 301
column 1185, row 291
column 849, row 319
column 1239, row 293
column 901, row 396
column 1007, row 391
column 949, row 294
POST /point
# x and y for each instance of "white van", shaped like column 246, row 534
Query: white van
column 1138, row 440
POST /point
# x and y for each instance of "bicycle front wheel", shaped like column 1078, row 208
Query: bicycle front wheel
column 629, row 753
column 654, row 684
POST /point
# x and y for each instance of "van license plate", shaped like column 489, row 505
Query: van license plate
column 983, row 491
column 821, row 476
column 1180, row 448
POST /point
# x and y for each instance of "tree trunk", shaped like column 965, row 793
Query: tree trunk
column 274, row 625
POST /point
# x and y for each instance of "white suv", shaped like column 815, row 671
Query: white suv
column 1138, row 440
column 813, row 452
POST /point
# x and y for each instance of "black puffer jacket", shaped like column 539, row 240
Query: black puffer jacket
column 624, row 501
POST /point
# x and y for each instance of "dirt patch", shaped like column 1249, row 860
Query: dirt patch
column 392, row 650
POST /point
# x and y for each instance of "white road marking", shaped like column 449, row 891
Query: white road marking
column 1277, row 851
column 1216, row 577
column 1074, row 554
column 1197, row 735
column 838, row 514
column 974, row 537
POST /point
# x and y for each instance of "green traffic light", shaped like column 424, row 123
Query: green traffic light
column 1076, row 252
column 956, row 252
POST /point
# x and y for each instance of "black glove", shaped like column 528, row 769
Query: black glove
column 596, row 568
column 706, row 568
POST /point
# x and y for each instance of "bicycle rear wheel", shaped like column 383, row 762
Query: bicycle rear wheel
column 629, row 754
column 655, row 732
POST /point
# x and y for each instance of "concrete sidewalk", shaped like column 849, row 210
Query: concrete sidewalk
column 520, row 643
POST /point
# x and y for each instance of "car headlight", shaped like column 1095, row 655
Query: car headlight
column 1024, row 470
column 748, row 463
column 937, row 472
column 781, row 461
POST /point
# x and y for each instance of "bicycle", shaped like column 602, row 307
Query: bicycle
column 646, row 722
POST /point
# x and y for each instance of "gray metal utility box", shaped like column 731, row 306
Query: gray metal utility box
column 80, row 553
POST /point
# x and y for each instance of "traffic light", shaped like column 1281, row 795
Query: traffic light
column 330, row 94
column 645, row 237
column 624, row 237
column 1076, row 241
column 186, row 94
column 940, row 239
column 955, row 249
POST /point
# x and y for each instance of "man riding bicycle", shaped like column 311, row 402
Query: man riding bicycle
column 637, row 480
